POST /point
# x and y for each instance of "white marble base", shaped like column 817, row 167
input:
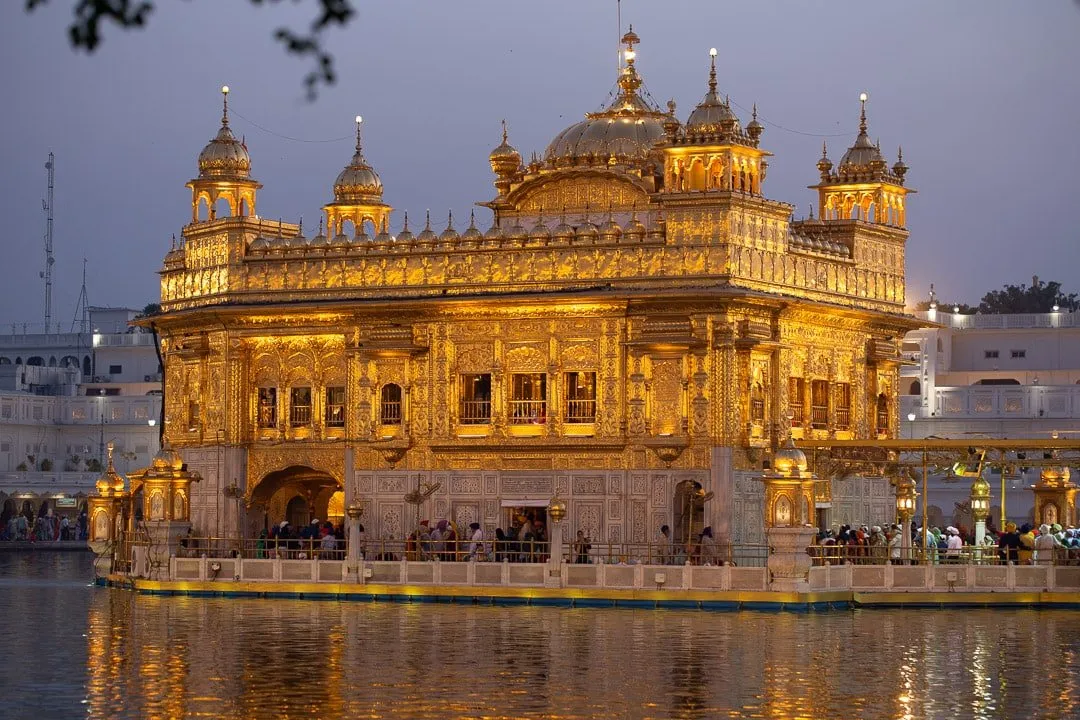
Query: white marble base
column 789, row 564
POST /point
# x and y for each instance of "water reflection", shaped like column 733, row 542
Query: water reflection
column 223, row 658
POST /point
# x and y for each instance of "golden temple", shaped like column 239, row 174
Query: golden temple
column 638, row 320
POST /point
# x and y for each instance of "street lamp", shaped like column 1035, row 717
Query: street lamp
column 101, row 438
column 905, row 508
column 980, row 507
column 911, row 425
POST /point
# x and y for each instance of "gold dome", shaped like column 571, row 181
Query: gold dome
column 1052, row 475
column 624, row 132
column 472, row 234
column 224, row 156
column 713, row 115
column 110, row 482
column 358, row 182
column 166, row 460
column 505, row 159
column 789, row 460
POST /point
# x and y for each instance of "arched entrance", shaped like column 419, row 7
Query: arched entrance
column 689, row 511
column 297, row 494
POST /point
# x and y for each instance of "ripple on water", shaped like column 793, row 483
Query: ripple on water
column 111, row 654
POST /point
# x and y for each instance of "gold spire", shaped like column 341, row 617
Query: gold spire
column 712, row 70
column 224, row 106
column 359, row 122
column 863, row 97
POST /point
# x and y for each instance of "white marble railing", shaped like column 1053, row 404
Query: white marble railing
column 958, row 321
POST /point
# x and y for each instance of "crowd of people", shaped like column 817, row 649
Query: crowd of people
column 46, row 526
column 1026, row 545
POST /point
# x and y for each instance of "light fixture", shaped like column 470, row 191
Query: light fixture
column 863, row 97
column 1056, row 307
column 712, row 52
column 911, row 417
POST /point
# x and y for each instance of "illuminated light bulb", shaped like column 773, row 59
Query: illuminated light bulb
column 863, row 97
column 629, row 55
column 712, row 52
column 225, row 89
column 359, row 119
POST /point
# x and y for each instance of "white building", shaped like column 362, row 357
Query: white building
column 63, row 397
column 991, row 376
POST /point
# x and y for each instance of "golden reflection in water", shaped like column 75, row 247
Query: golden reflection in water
column 175, row 657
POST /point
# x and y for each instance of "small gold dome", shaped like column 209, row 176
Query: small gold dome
column 472, row 234
column 1052, row 475
column 789, row 460
column 167, row 459
column 427, row 234
column 110, row 482
column 224, row 156
column 358, row 182
column 505, row 159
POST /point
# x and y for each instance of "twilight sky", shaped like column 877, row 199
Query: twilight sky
column 982, row 94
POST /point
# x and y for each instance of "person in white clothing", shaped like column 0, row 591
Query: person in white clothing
column 1044, row 546
column 955, row 545
column 476, row 542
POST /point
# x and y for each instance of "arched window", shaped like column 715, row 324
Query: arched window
column 697, row 175
column 757, row 404
column 202, row 210
column 915, row 388
column 882, row 414
column 390, row 405
column 36, row 361
column 5, row 361
column 222, row 208
column 86, row 366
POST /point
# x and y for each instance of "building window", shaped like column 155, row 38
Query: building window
column 390, row 405
column 335, row 407
column 528, row 398
column 757, row 404
column 990, row 354
column 819, row 404
column 300, row 406
column 476, row 399
column 115, row 369
column 882, row 414
column 580, row 397
column 267, row 410
column 796, row 393
column 843, row 406
column 193, row 415
column 1019, row 354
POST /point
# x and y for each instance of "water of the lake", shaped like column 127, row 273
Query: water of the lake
column 73, row 650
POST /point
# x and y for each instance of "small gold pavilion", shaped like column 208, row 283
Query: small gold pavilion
column 637, row 319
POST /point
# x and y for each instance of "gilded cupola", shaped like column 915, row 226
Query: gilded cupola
column 224, row 174
column 624, row 132
column 713, row 115
column 357, row 202
column 110, row 482
column 358, row 182
column 224, row 156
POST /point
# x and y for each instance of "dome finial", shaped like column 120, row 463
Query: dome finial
column 863, row 97
column 472, row 219
column 109, row 468
column 224, row 106
column 427, row 221
column 712, row 70
column 505, row 134
column 359, row 122
column 405, row 228
column 824, row 150
column 450, row 220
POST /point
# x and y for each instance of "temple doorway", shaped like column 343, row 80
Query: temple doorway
column 297, row 495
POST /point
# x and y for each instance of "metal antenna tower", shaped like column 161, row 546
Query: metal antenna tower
column 47, row 206
column 82, row 305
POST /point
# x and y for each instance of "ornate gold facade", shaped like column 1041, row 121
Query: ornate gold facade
column 638, row 315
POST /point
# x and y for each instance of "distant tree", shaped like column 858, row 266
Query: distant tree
column 150, row 309
column 1039, row 298
column 85, row 30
